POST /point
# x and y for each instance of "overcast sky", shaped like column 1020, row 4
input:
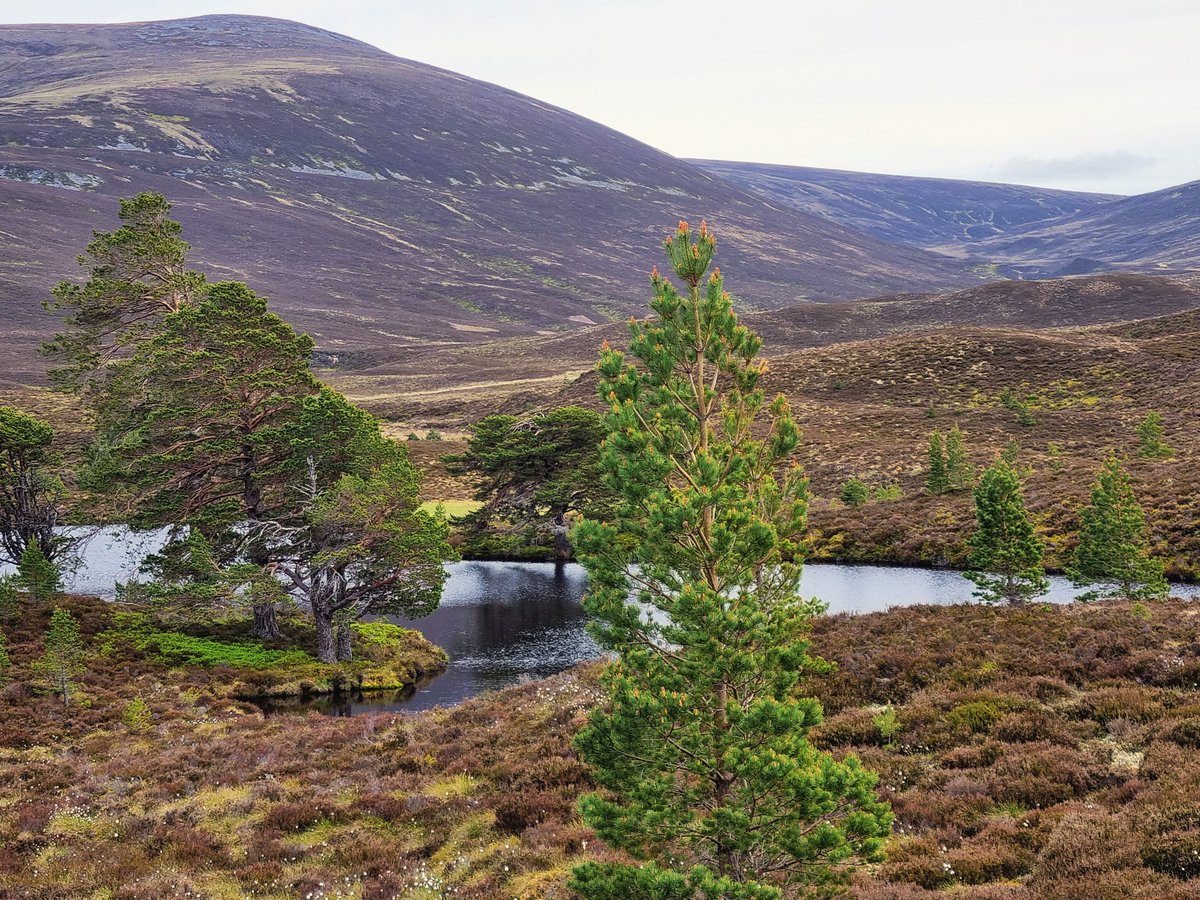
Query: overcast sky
column 1086, row 94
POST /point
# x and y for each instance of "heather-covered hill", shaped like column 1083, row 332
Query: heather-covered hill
column 451, row 386
column 921, row 212
column 1155, row 232
column 380, row 202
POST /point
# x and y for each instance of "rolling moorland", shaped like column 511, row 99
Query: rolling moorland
column 456, row 250
column 378, row 201
column 920, row 212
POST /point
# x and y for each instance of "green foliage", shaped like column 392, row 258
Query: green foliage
column 614, row 881
column 886, row 492
column 936, row 479
column 137, row 716
column 5, row 660
column 977, row 715
column 854, row 492
column 1010, row 400
column 1114, row 548
column 204, row 438
column 530, row 471
column 1140, row 611
column 960, row 474
column 1150, row 438
column 9, row 599
column 887, row 723
column 703, row 754
column 137, row 275
column 36, row 575
column 433, row 435
column 31, row 497
column 62, row 661
column 361, row 542
column 173, row 648
column 1006, row 551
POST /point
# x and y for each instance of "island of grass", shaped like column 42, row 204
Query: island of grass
column 229, row 661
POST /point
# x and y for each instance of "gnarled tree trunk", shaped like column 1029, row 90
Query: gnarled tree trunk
column 344, row 653
column 266, row 626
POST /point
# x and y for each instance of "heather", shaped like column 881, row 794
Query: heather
column 1027, row 752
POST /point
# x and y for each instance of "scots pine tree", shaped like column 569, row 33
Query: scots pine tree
column 37, row 575
column 1006, row 552
column 854, row 492
column 62, row 661
column 936, row 479
column 136, row 276
column 5, row 660
column 1114, row 548
column 31, row 496
column 1150, row 438
column 532, row 472
column 706, row 775
column 359, row 543
column 206, row 442
column 960, row 474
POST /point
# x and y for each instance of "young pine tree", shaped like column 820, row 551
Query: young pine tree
column 936, row 480
column 1150, row 438
column 62, row 661
column 706, row 774
column 1006, row 552
column 37, row 575
column 1114, row 549
column 854, row 492
column 960, row 474
column 5, row 660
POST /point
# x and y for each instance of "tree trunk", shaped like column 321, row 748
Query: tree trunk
column 326, row 651
column 344, row 653
column 266, row 626
column 562, row 546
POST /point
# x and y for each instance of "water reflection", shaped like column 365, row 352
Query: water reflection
column 501, row 622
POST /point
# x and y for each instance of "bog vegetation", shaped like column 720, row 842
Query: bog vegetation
column 738, row 745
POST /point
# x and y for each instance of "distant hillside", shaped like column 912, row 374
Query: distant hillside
column 449, row 387
column 920, row 212
column 1159, row 231
column 380, row 202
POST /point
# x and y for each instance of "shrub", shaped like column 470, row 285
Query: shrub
column 516, row 812
column 298, row 816
column 1185, row 733
column 137, row 716
column 978, row 715
column 1176, row 854
column 1085, row 844
column 854, row 492
column 1106, row 704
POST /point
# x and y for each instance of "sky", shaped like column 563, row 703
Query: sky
column 1098, row 95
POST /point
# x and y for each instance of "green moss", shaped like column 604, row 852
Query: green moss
column 176, row 649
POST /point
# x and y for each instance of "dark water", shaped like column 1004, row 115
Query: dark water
column 501, row 622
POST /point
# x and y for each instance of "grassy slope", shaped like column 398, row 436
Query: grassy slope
column 1047, row 752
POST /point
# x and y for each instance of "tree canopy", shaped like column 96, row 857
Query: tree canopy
column 31, row 496
column 708, row 778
